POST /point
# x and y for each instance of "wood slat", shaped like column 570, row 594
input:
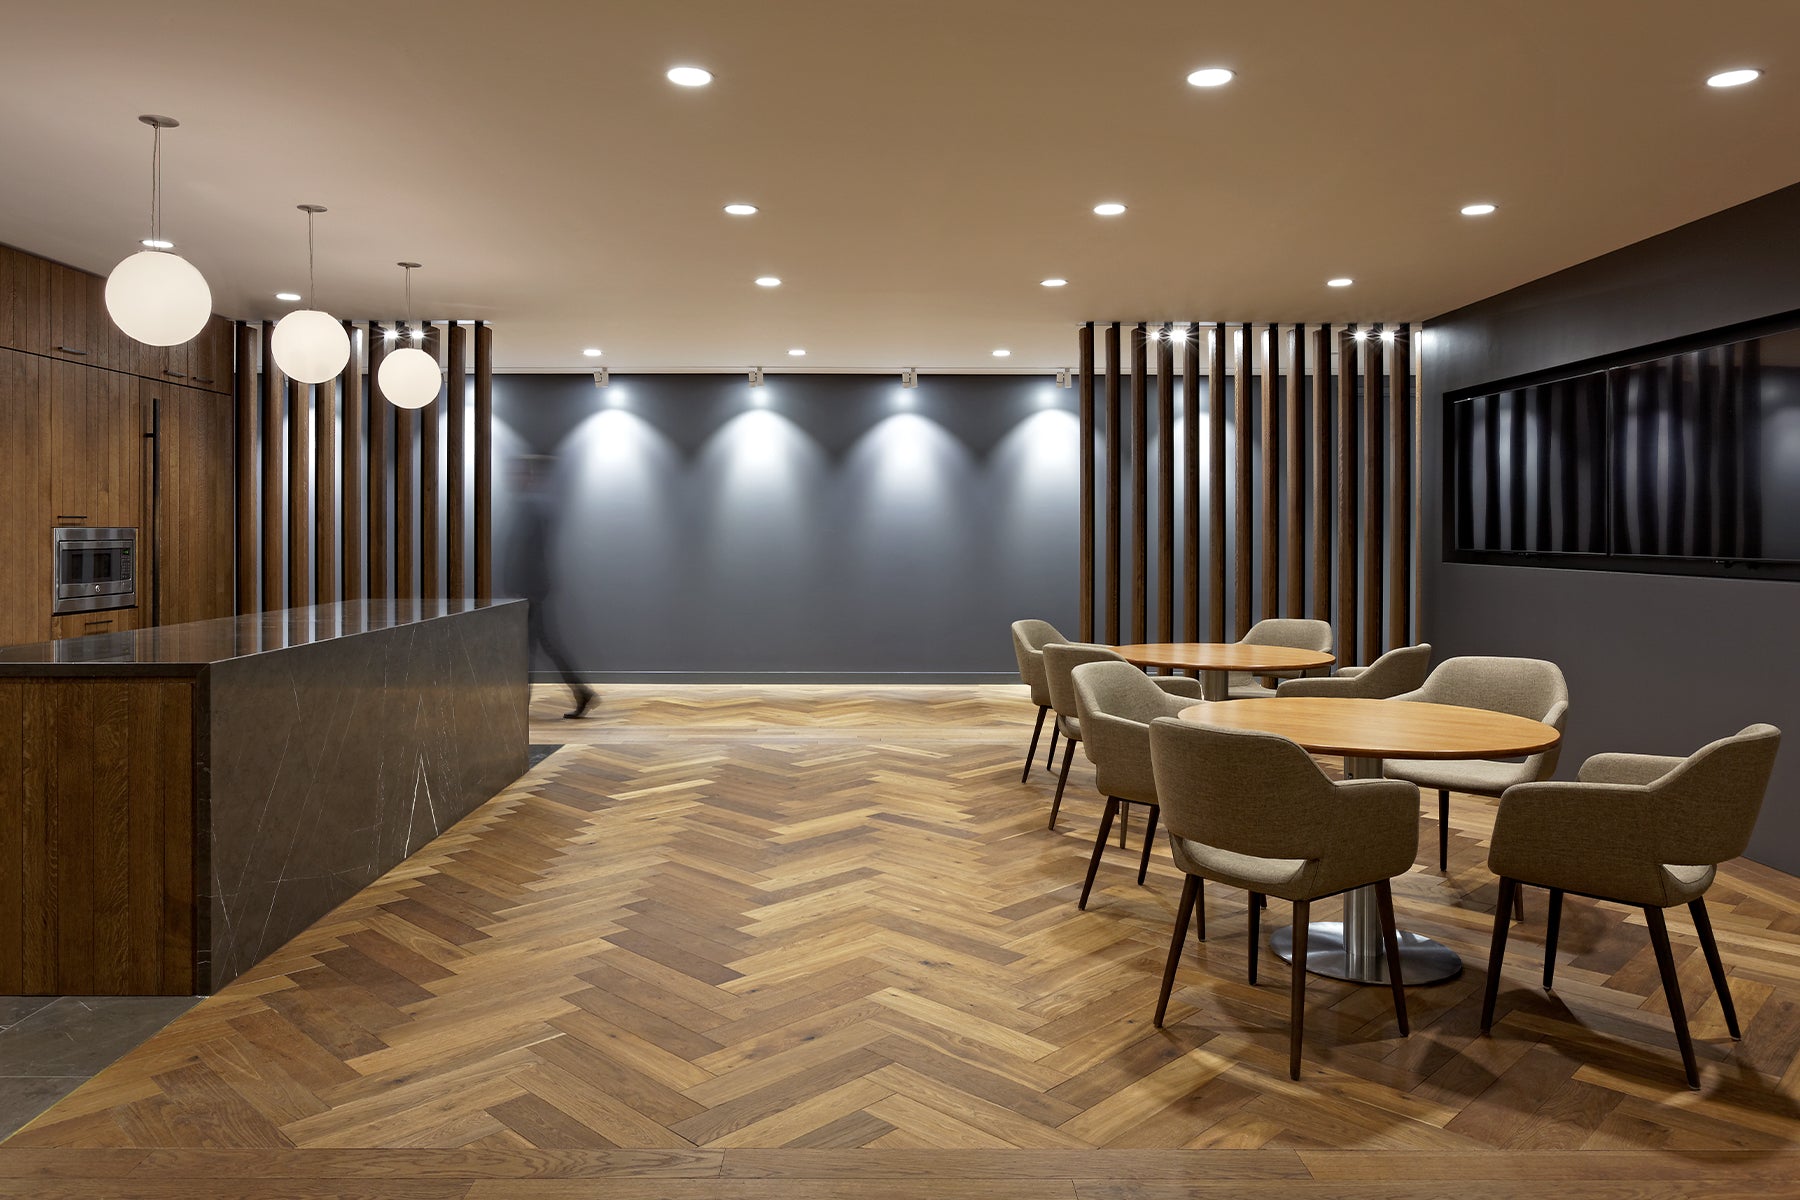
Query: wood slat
column 1244, row 385
column 12, row 840
column 484, row 459
column 244, row 392
column 1084, row 400
column 406, row 503
column 1165, row 486
column 1115, row 485
column 272, row 553
column 1321, row 452
column 351, row 474
column 1294, row 472
column 456, row 492
column 1216, row 384
column 380, row 472
column 1269, row 477
column 299, row 494
column 431, row 466
column 325, row 462
column 1346, row 493
column 1190, row 460
column 1140, row 481
column 1400, row 492
column 1373, row 472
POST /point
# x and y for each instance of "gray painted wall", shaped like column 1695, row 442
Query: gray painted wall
column 836, row 527
column 1656, row 663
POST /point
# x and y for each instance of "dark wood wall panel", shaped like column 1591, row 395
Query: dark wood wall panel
column 245, row 475
column 484, row 459
column 350, row 471
column 272, row 553
column 1304, row 501
column 325, row 517
column 299, row 493
column 380, row 474
column 431, row 504
column 406, row 504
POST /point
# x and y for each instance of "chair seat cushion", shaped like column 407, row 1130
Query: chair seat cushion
column 1251, row 691
column 1284, row 878
column 1483, row 777
column 1686, row 884
column 1070, row 727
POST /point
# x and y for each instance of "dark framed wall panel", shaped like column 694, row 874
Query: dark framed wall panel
column 1084, row 382
column 1296, row 478
column 431, row 473
column 271, row 552
column 484, row 460
column 350, row 473
column 456, row 384
column 380, row 474
column 246, row 543
column 1115, row 488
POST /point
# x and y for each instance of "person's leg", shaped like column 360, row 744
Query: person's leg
column 539, row 629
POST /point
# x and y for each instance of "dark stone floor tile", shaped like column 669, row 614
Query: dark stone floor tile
column 14, row 1009
column 78, row 1035
column 23, row 1099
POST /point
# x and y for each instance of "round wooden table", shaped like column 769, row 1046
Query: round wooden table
column 1365, row 732
column 1215, row 661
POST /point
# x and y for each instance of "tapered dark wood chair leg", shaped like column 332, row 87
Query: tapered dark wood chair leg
column 1665, row 962
column 1200, row 911
column 1255, row 934
column 1297, row 1013
column 1061, row 781
column 1390, row 939
column 1703, row 927
column 1106, row 820
column 1037, row 731
column 1050, row 758
column 1124, row 821
column 1502, row 919
column 1443, row 830
column 1519, row 903
column 1552, row 927
column 1189, row 891
column 1149, row 843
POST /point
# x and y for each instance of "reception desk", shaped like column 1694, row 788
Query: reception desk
column 177, row 802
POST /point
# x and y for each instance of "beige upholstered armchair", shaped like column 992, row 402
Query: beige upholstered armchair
column 1524, row 687
column 1060, row 661
column 1253, row 811
column 1029, row 640
column 1117, row 702
column 1395, row 673
column 1637, row 829
column 1298, row 633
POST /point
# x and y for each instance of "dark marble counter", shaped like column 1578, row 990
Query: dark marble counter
column 176, row 650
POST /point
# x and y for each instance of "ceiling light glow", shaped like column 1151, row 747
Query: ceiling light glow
column 287, row 297
column 796, row 352
column 767, row 281
column 157, row 243
column 1339, row 282
column 1111, row 208
column 592, row 352
column 1734, row 78
column 689, row 77
column 1003, row 354
column 1210, row 77
column 1477, row 210
column 1056, row 283
column 741, row 210
column 1387, row 335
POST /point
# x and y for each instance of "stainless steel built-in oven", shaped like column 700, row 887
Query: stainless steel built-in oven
column 95, row 568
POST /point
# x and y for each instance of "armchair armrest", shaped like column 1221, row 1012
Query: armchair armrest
column 1378, row 830
column 1178, row 685
column 1599, row 838
column 1349, row 672
column 1627, row 768
column 1326, row 685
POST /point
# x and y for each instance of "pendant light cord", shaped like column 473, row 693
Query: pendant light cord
column 156, row 185
column 312, row 288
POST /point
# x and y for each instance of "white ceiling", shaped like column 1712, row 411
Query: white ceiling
column 920, row 164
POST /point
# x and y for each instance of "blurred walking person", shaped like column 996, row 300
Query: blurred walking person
column 528, row 568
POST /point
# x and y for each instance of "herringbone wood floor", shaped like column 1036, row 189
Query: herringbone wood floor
column 807, row 941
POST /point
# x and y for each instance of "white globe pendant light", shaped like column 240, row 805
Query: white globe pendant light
column 409, row 377
column 156, row 297
column 309, row 344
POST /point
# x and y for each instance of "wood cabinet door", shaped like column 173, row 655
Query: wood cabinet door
column 194, row 526
column 210, row 366
column 96, row 447
column 25, row 583
column 24, row 300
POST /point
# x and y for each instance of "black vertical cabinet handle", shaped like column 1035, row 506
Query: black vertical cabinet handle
column 72, row 350
column 173, row 374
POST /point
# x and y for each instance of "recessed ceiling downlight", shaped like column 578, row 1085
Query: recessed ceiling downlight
column 1210, row 77
column 1055, row 283
column 592, row 352
column 1111, row 208
column 768, row 281
column 1003, row 354
column 1477, row 210
column 741, row 210
column 689, row 77
column 796, row 352
column 1737, row 77
column 287, row 297
column 1339, row 282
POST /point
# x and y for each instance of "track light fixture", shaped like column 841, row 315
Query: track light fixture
column 756, row 376
column 909, row 378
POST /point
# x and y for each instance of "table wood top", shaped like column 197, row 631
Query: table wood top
column 1223, row 656
column 1381, row 728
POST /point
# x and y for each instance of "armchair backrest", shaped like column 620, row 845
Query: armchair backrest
column 1029, row 639
column 1117, row 702
column 1399, row 671
column 1709, row 804
column 1524, row 687
column 1060, row 661
column 1298, row 633
column 1250, row 793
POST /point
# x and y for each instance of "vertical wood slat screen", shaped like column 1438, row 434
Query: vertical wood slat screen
column 340, row 498
column 1298, row 496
